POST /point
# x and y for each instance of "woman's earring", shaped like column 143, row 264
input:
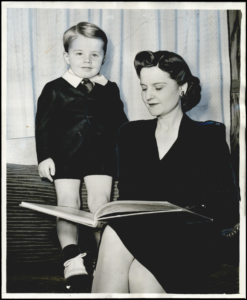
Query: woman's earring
column 182, row 94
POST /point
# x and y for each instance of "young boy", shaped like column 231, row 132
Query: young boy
column 77, row 121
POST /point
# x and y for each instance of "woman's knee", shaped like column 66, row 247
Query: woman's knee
column 109, row 236
column 112, row 246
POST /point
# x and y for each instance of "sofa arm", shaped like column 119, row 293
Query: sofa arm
column 229, row 246
column 231, row 232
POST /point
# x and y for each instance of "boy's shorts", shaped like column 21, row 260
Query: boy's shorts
column 94, row 157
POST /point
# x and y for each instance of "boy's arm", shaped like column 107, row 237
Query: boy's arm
column 47, row 169
column 44, row 123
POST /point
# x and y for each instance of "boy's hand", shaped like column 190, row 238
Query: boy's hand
column 47, row 168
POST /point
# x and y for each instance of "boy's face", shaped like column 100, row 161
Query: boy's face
column 85, row 56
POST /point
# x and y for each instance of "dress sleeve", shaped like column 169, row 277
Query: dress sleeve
column 44, row 123
column 222, row 192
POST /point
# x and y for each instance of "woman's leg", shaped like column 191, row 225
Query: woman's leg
column 67, row 195
column 99, row 192
column 112, row 271
column 141, row 280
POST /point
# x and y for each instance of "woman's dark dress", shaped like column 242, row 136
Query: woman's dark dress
column 195, row 173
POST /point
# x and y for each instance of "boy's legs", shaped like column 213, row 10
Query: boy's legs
column 68, row 196
column 99, row 192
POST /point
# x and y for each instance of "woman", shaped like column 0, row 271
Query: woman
column 169, row 158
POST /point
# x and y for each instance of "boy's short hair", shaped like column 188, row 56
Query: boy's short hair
column 88, row 30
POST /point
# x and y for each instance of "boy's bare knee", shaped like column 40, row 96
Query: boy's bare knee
column 99, row 191
column 95, row 201
column 68, row 201
column 67, row 191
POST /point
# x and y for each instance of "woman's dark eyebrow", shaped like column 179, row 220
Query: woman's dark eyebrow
column 159, row 83
column 154, row 83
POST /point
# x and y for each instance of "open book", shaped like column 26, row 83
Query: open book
column 116, row 209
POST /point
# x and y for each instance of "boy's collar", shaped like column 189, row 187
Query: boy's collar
column 74, row 80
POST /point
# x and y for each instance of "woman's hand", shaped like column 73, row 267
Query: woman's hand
column 47, row 168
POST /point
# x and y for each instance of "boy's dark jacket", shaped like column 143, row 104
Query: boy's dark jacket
column 65, row 114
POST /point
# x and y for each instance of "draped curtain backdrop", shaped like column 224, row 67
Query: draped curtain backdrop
column 35, row 56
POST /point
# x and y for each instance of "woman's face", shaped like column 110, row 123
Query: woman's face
column 160, row 93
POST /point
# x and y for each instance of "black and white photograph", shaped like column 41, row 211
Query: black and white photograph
column 123, row 133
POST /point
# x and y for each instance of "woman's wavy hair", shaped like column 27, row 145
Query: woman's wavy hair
column 178, row 69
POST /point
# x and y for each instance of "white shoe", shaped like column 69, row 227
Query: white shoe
column 75, row 266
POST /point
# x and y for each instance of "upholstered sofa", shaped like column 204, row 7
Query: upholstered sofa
column 34, row 258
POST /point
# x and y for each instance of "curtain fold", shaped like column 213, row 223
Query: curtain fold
column 35, row 56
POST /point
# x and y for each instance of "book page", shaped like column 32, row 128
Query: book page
column 71, row 214
column 173, row 215
column 135, row 206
